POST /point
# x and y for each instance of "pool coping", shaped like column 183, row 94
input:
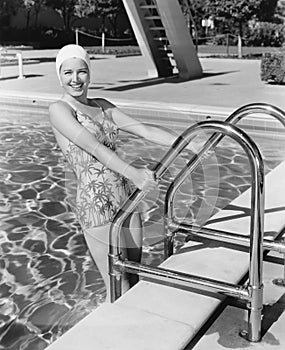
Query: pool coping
column 172, row 115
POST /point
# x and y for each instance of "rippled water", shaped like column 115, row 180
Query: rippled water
column 48, row 279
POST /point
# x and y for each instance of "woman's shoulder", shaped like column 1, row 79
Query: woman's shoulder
column 103, row 103
column 59, row 106
column 62, row 109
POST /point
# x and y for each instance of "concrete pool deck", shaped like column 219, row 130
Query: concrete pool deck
column 227, row 85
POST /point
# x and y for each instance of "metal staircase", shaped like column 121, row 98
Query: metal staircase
column 163, row 37
column 158, row 39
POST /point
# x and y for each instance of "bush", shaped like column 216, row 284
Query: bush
column 266, row 34
column 273, row 67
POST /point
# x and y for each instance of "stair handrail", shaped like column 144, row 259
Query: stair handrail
column 254, row 293
column 235, row 117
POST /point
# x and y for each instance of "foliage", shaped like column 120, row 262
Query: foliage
column 241, row 17
column 266, row 34
column 267, row 10
column 280, row 11
column 104, row 9
column 230, row 16
column 7, row 9
column 273, row 67
column 66, row 8
column 194, row 11
column 83, row 8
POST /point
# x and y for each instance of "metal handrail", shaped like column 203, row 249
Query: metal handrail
column 253, row 292
column 192, row 164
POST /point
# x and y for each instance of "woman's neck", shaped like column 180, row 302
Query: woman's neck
column 80, row 99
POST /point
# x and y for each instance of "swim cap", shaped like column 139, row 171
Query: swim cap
column 71, row 51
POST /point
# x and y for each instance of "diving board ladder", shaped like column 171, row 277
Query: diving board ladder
column 164, row 38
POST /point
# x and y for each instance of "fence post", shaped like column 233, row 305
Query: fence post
column 103, row 42
column 20, row 64
column 228, row 44
column 239, row 46
column 76, row 36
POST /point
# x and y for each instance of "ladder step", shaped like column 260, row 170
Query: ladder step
column 157, row 28
column 148, row 6
column 165, row 48
column 152, row 17
column 161, row 38
column 170, row 59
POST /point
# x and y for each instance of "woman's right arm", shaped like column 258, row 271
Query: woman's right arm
column 63, row 120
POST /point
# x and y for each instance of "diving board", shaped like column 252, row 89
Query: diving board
column 156, row 316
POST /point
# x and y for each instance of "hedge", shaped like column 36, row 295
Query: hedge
column 265, row 34
column 273, row 67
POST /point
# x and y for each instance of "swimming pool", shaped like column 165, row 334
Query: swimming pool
column 48, row 280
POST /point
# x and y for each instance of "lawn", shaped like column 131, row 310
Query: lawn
column 222, row 50
column 209, row 50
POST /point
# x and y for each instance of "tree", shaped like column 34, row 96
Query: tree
column 7, row 9
column 28, row 5
column 66, row 8
column 267, row 10
column 32, row 6
column 193, row 13
column 280, row 11
column 236, row 12
column 116, row 8
column 104, row 9
column 37, row 7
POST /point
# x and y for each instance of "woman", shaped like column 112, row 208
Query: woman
column 86, row 131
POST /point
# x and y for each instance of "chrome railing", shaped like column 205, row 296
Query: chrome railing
column 235, row 117
column 253, row 292
column 171, row 223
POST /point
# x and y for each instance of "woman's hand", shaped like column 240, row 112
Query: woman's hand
column 143, row 179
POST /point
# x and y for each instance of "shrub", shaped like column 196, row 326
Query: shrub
column 273, row 67
column 266, row 34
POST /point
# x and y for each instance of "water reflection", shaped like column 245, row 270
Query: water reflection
column 48, row 279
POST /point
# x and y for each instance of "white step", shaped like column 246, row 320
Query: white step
column 116, row 327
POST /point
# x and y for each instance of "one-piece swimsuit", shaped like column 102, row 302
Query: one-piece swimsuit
column 100, row 191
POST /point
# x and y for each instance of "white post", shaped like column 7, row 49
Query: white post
column 239, row 46
column 0, row 63
column 76, row 37
column 20, row 63
column 103, row 42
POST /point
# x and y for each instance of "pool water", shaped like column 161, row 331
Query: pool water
column 48, row 279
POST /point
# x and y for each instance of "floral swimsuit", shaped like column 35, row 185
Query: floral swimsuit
column 100, row 191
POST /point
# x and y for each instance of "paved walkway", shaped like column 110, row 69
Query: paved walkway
column 227, row 83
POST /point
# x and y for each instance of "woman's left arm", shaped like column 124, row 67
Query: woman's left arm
column 152, row 133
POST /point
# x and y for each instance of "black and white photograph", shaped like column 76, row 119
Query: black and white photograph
column 142, row 174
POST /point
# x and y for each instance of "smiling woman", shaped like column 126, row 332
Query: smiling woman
column 87, row 132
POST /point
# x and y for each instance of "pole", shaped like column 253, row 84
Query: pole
column 228, row 44
column 103, row 42
column 239, row 47
column 20, row 63
column 76, row 37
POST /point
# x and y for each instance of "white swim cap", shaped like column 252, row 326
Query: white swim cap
column 71, row 51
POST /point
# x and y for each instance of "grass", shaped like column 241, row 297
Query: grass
column 232, row 51
column 208, row 50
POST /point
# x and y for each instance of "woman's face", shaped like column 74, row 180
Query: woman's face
column 75, row 77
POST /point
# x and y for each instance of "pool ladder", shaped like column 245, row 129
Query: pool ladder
column 252, row 293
